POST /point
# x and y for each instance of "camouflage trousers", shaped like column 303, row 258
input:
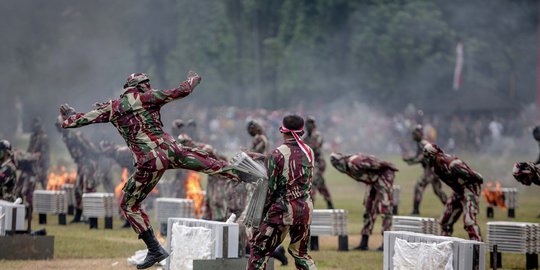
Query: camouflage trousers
column 269, row 236
column 237, row 193
column 319, row 183
column 378, row 200
column 428, row 178
column 26, row 184
column 465, row 202
column 147, row 175
column 215, row 201
column 87, row 180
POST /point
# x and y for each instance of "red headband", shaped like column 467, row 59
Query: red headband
column 304, row 148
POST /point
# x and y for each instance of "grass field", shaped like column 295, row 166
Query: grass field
column 77, row 247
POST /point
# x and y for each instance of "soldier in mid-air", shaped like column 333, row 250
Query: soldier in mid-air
column 136, row 115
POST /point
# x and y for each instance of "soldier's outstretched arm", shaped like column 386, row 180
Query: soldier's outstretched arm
column 72, row 119
column 164, row 96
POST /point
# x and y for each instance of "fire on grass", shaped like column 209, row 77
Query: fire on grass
column 60, row 176
column 494, row 194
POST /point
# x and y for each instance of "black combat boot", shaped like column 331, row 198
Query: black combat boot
column 363, row 243
column 279, row 254
column 415, row 211
column 329, row 205
column 77, row 217
column 155, row 252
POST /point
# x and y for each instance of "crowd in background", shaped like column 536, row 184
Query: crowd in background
column 355, row 127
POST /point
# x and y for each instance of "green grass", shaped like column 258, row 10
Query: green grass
column 76, row 243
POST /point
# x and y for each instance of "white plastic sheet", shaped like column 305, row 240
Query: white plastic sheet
column 188, row 244
column 422, row 256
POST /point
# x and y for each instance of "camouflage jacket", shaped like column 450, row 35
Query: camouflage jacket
column 259, row 144
column 39, row 142
column 25, row 162
column 367, row 168
column 122, row 155
column 137, row 117
column 454, row 172
column 419, row 157
column 288, row 200
column 535, row 170
column 209, row 149
column 79, row 147
column 8, row 178
column 315, row 141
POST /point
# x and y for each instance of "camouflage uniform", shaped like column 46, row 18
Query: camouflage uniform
column 8, row 177
column 465, row 183
column 315, row 141
column 527, row 173
column 136, row 115
column 241, row 192
column 120, row 154
column 39, row 143
column 378, row 175
column 427, row 178
column 215, row 199
column 84, row 154
column 288, row 208
column 33, row 168
column 27, row 164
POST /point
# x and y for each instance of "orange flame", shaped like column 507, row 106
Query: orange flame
column 118, row 188
column 194, row 192
column 59, row 176
column 494, row 196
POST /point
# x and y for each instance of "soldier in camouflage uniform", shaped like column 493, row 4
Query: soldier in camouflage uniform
column 288, row 208
column 466, row 185
column 136, row 115
column 8, row 172
column 33, row 169
column 428, row 176
column 378, row 175
column 178, row 127
column 84, row 154
column 191, row 129
column 527, row 173
column 314, row 139
column 215, row 200
column 39, row 143
column 122, row 156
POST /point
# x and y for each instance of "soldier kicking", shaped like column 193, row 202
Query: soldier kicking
column 136, row 115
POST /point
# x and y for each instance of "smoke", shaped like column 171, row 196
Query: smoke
column 355, row 67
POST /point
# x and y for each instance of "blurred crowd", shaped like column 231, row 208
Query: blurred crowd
column 351, row 126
